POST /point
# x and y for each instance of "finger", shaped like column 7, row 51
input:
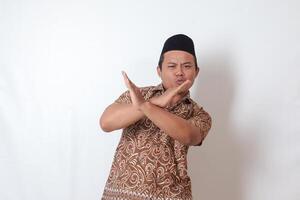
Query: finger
column 130, row 85
column 184, row 86
column 126, row 80
column 127, row 76
column 124, row 75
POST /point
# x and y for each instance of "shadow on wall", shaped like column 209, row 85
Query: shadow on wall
column 218, row 166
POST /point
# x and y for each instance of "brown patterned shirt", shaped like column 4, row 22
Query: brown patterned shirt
column 148, row 163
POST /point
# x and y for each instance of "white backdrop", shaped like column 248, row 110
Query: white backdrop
column 60, row 66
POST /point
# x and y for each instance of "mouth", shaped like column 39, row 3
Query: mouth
column 180, row 81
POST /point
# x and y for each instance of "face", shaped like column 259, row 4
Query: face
column 177, row 67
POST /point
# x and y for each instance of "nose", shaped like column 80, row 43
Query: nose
column 179, row 71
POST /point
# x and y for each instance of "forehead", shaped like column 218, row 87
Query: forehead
column 178, row 56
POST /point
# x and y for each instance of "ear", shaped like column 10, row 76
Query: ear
column 158, row 70
column 197, row 71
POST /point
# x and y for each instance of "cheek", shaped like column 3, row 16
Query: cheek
column 191, row 75
column 167, row 78
column 167, row 75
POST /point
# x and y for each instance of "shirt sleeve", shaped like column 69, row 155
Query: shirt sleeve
column 124, row 98
column 201, row 119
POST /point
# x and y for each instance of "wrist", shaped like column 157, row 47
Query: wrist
column 157, row 102
column 145, row 105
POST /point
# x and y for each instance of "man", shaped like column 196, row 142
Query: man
column 159, row 124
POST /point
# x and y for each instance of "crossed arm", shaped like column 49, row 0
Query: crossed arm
column 117, row 116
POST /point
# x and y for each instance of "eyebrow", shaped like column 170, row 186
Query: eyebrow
column 172, row 63
column 187, row 63
column 182, row 63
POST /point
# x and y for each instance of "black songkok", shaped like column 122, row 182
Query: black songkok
column 179, row 42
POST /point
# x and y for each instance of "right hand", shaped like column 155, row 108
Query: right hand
column 172, row 95
column 135, row 93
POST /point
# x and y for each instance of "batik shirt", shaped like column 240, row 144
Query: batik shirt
column 148, row 163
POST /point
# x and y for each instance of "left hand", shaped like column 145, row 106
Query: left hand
column 172, row 95
column 135, row 93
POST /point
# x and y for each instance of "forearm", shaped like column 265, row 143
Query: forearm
column 117, row 116
column 121, row 115
column 176, row 127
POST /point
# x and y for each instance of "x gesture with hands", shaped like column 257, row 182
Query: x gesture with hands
column 171, row 95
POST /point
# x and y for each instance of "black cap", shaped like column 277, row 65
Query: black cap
column 179, row 42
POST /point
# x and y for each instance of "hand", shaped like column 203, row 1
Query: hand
column 135, row 93
column 172, row 95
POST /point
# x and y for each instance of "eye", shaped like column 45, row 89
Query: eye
column 188, row 66
column 171, row 66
